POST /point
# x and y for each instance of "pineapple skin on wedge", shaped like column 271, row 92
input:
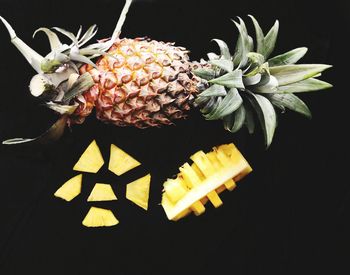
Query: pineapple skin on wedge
column 121, row 162
column 70, row 189
column 98, row 217
column 138, row 191
column 196, row 184
column 91, row 160
column 102, row 192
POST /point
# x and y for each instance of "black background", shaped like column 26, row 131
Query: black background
column 290, row 216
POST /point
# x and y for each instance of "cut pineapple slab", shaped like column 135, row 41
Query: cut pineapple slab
column 196, row 184
column 102, row 192
column 91, row 160
column 70, row 189
column 121, row 162
column 138, row 191
column 97, row 217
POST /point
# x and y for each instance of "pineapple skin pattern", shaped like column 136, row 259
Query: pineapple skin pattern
column 141, row 83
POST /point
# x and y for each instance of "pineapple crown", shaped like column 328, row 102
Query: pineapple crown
column 250, row 80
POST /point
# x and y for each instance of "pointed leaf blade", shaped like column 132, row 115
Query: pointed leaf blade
column 214, row 90
column 270, row 40
column 287, row 58
column 259, row 35
column 204, row 73
column 224, row 50
column 230, row 80
column 288, row 74
column 54, row 41
column 235, row 121
column 266, row 114
column 226, row 65
column 307, row 85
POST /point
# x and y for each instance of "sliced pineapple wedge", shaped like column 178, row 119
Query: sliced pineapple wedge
column 120, row 162
column 102, row 192
column 138, row 191
column 70, row 189
column 91, row 160
column 196, row 184
column 97, row 217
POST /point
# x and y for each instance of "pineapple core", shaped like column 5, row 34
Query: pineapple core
column 196, row 184
column 70, row 189
column 91, row 160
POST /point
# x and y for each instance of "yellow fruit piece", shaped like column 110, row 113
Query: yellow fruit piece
column 210, row 174
column 175, row 189
column 70, row 189
column 138, row 191
column 102, row 192
column 91, row 160
column 97, row 217
column 120, row 162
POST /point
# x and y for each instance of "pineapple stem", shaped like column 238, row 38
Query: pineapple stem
column 121, row 20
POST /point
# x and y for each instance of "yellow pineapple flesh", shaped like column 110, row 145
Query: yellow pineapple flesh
column 98, row 217
column 121, row 162
column 209, row 175
column 70, row 189
column 102, row 192
column 91, row 160
column 138, row 191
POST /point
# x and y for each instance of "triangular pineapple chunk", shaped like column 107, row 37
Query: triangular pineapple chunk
column 70, row 189
column 120, row 162
column 97, row 217
column 138, row 191
column 91, row 160
column 102, row 192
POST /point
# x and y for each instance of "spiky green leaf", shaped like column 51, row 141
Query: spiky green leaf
column 307, row 85
column 226, row 65
column 292, row 102
column 230, row 80
column 224, row 50
column 266, row 114
column 83, row 83
column 204, row 73
column 259, row 35
column 270, row 40
column 235, row 121
column 269, row 87
column 228, row 105
column 288, row 74
column 70, row 35
column 249, row 119
column 244, row 45
column 287, row 58
column 213, row 90
column 54, row 41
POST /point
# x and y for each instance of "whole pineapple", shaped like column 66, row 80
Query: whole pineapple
column 142, row 83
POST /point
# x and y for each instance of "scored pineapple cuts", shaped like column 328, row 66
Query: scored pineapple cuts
column 196, row 184
column 138, row 191
column 70, row 189
column 97, row 217
column 91, row 160
column 102, row 192
column 121, row 162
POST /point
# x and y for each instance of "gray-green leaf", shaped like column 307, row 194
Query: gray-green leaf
column 249, row 119
column 83, row 83
column 224, row 50
column 287, row 58
column 288, row 74
column 228, row 105
column 292, row 102
column 235, row 121
column 224, row 64
column 214, row 90
column 266, row 114
column 54, row 41
column 230, row 80
column 204, row 73
column 307, row 85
